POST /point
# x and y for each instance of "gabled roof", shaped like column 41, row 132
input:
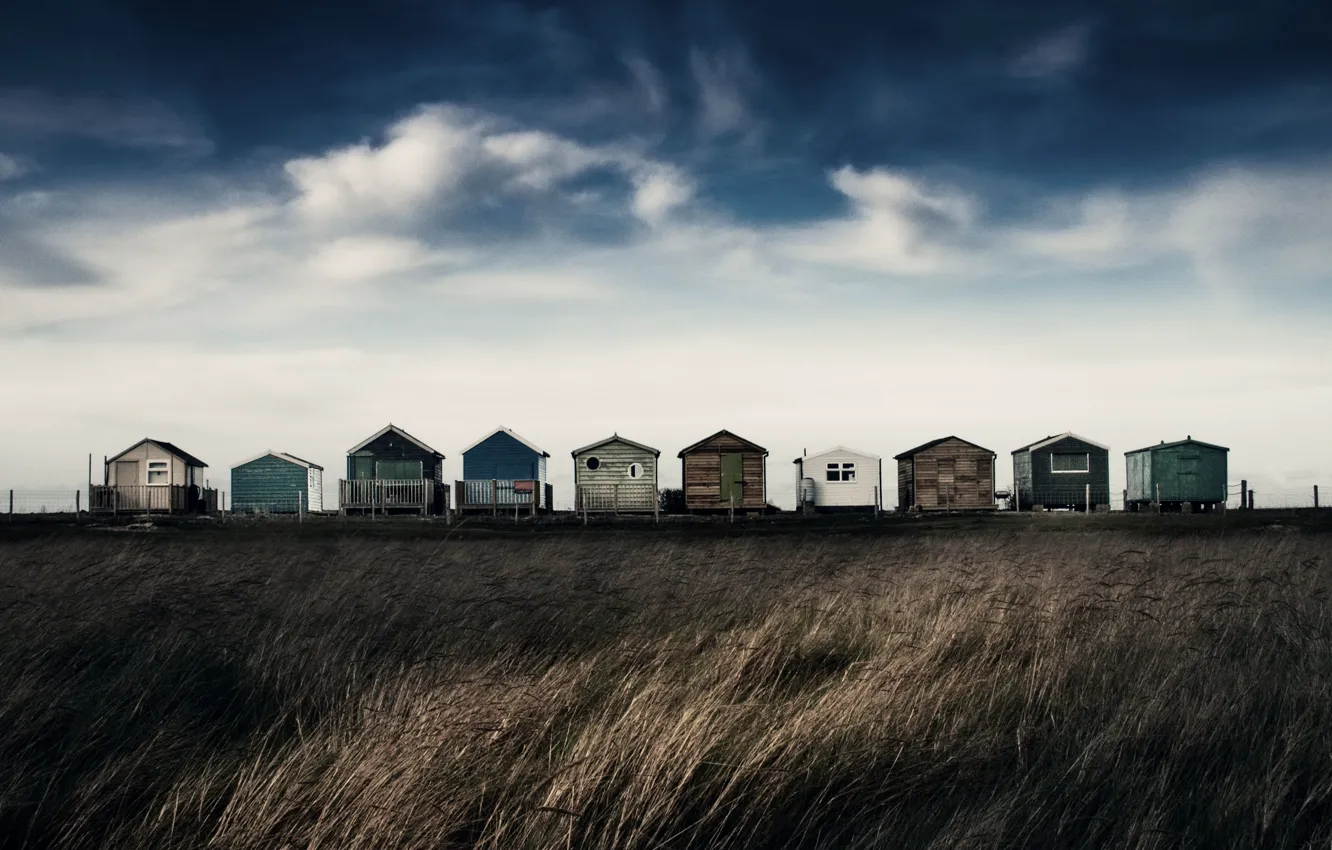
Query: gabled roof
column 723, row 432
column 837, row 448
column 1164, row 445
column 502, row 429
column 1040, row 444
column 401, row 433
column 281, row 456
column 616, row 438
column 932, row 443
column 190, row 460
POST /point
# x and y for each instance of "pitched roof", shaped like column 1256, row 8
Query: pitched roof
column 280, row 456
column 932, row 443
column 190, row 460
column 1048, row 440
column 616, row 438
column 391, row 427
column 755, row 446
column 510, row 432
column 837, row 448
column 1164, row 445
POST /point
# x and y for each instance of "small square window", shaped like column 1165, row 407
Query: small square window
column 159, row 471
column 848, row 472
column 834, row 472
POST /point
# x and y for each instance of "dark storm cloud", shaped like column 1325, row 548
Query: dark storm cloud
column 1059, row 93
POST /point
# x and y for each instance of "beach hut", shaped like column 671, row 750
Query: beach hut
column 277, row 483
column 615, row 475
column 504, row 471
column 1061, row 472
column 393, row 472
column 153, row 476
column 947, row 474
column 1186, row 475
column 724, row 471
column 839, row 479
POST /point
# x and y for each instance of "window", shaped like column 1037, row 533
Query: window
column 635, row 470
column 594, row 463
column 1070, row 462
column 1188, row 464
column 841, row 472
column 159, row 472
column 398, row 470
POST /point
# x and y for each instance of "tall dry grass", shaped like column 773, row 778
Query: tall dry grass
column 1015, row 690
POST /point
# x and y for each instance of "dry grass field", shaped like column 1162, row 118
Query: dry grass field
column 1000, row 687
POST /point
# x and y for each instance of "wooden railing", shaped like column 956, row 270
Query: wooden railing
column 418, row 494
column 498, row 494
column 627, row 497
column 149, row 498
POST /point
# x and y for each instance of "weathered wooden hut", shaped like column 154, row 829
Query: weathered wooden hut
column 393, row 472
column 947, row 474
column 1187, row 474
column 839, row 479
column 1061, row 472
column 504, row 471
column 277, row 483
column 616, row 475
column 724, row 471
column 153, row 475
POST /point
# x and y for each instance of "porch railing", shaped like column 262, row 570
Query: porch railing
column 150, row 498
column 498, row 494
column 627, row 497
column 384, row 494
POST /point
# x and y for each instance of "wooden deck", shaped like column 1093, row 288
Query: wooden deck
column 498, row 495
column 385, row 496
column 150, row 498
column 628, row 497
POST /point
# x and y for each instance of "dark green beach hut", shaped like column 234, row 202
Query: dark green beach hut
column 1187, row 474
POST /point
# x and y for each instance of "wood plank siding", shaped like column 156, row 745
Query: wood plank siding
column 616, row 475
column 273, row 483
column 1187, row 471
column 946, row 474
column 1058, row 471
column 400, row 460
column 714, row 480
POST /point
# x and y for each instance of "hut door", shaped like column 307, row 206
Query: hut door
column 732, row 479
column 127, row 473
column 947, row 483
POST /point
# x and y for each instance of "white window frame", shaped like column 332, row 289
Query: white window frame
column 848, row 469
column 148, row 475
column 634, row 470
column 1084, row 471
column 836, row 472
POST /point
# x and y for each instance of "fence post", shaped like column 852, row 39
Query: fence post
column 1086, row 504
column 300, row 517
column 1244, row 494
column 1315, row 495
column 11, row 505
column 494, row 497
column 1251, row 500
column 656, row 505
column 1158, row 498
column 732, row 507
column 615, row 498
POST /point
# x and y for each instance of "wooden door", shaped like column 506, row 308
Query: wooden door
column 732, row 480
column 947, row 482
column 127, row 473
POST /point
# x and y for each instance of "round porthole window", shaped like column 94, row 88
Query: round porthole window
column 635, row 470
column 593, row 463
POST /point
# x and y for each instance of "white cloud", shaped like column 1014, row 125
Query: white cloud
column 1056, row 55
column 659, row 190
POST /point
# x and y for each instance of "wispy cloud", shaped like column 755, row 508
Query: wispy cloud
column 724, row 81
column 130, row 122
column 648, row 80
column 12, row 168
column 1055, row 55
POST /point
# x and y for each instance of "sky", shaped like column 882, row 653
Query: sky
column 249, row 226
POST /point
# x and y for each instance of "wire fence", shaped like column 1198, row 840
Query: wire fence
column 46, row 501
